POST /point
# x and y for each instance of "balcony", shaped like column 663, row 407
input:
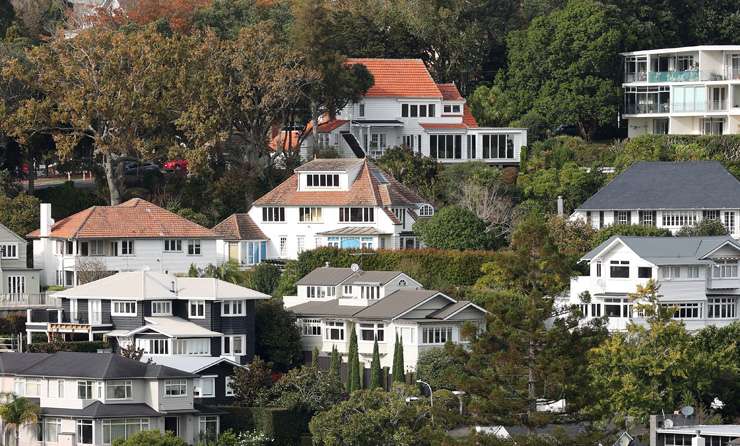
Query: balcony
column 60, row 317
column 640, row 76
column 636, row 109
column 733, row 74
column 673, row 76
column 27, row 300
column 716, row 106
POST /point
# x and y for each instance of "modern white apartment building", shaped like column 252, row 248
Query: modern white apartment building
column 669, row 195
column 343, row 203
column 377, row 305
column 406, row 107
column 698, row 276
column 683, row 91
column 132, row 236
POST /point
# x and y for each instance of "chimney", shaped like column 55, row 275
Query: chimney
column 46, row 221
column 560, row 206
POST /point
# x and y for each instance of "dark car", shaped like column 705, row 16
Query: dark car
column 566, row 129
column 138, row 168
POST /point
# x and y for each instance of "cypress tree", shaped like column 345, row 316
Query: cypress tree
column 336, row 362
column 315, row 358
column 375, row 372
column 398, row 373
column 353, row 361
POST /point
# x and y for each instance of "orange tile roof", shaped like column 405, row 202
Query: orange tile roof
column 450, row 92
column 371, row 187
column 327, row 126
column 239, row 227
column 280, row 141
column 407, row 78
column 136, row 218
column 468, row 118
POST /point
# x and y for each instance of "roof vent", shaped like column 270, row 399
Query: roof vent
column 172, row 287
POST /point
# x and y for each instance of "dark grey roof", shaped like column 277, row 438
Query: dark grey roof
column 668, row 250
column 395, row 304
column 326, row 308
column 99, row 410
column 330, row 165
column 12, row 363
column 669, row 185
column 372, row 277
column 92, row 365
column 449, row 310
column 325, row 276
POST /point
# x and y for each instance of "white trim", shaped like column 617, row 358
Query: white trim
column 730, row 242
column 231, row 344
column 398, row 316
column 197, row 302
column 465, row 307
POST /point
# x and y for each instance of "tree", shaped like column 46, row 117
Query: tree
column 249, row 382
column 629, row 230
column 278, row 339
column 704, row 228
column 418, row 172
column 308, row 389
column 179, row 15
column 18, row 412
column 353, row 363
column 335, row 367
column 376, row 374
column 7, row 15
column 454, row 227
column 151, row 438
column 130, row 351
column 264, row 278
column 19, row 214
column 315, row 357
column 399, row 369
column 90, row 270
column 442, row 368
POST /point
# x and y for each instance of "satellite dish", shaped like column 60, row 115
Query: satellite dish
column 668, row 423
column 687, row 411
column 355, row 267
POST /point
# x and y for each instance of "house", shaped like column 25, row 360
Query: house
column 19, row 284
column 668, row 195
column 683, row 91
column 164, row 315
column 406, row 107
column 679, row 429
column 378, row 305
column 241, row 240
column 133, row 236
column 698, row 276
column 96, row 398
column 344, row 203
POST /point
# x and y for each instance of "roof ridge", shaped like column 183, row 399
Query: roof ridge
column 90, row 210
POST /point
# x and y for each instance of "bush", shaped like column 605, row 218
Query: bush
column 441, row 368
column 13, row 323
column 284, row 426
column 703, row 228
column 278, row 339
column 62, row 346
column 454, row 228
column 151, row 438
column 263, row 278
column 629, row 230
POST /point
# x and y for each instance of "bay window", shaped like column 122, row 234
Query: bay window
column 122, row 428
column 436, row 335
column 119, row 390
column 334, row 330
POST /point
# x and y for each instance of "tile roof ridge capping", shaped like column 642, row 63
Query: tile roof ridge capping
column 373, row 184
column 91, row 210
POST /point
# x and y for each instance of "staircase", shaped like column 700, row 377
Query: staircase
column 353, row 144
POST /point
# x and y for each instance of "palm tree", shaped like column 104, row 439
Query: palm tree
column 17, row 412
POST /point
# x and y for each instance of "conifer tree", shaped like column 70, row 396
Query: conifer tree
column 375, row 371
column 315, row 358
column 353, row 362
column 398, row 372
column 336, row 362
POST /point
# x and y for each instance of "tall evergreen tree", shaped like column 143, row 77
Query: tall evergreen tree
column 375, row 371
column 315, row 358
column 398, row 373
column 353, row 362
column 335, row 368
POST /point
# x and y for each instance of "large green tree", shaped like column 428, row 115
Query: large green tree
column 454, row 227
column 278, row 339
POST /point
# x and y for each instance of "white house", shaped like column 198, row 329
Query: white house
column 132, row 236
column 696, row 275
column 668, row 195
column 405, row 107
column 93, row 399
column 344, row 203
column 378, row 305
column 683, row 91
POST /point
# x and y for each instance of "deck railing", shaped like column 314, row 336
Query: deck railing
column 25, row 300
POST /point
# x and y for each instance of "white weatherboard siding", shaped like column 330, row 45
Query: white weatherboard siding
column 596, row 222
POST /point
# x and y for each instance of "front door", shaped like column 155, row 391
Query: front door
column 96, row 312
column 171, row 424
column 234, row 252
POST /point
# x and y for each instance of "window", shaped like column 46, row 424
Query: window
column 452, row 108
column 195, row 347
column 471, row 147
column 619, row 269
column 208, row 427
column 595, row 310
column 233, row 308
column 175, row 388
column 172, row 245
column 400, row 214
column 414, row 110
column 436, row 335
column 406, row 334
column 16, row 285
column 118, row 390
column 647, row 218
column 123, row 428
column 127, row 247
column 310, row 327
column 693, row 272
column 197, row 309
column 622, row 217
column 445, row 146
column 686, row 310
column 617, row 307
column 678, row 219
column 309, row 215
column 56, row 388
column 204, row 387
column 94, row 248
column 371, row 332
column 331, row 291
column 426, row 210
column 314, row 292
column 362, row 110
column 322, row 180
column 357, row 215
column 161, row 308
column 729, row 222
column 497, row 146
column 193, row 247
column 404, row 110
column 8, row 250
column 84, row 432
column 85, row 390
column 229, row 384
column 52, row 429
column 273, row 214
column 721, row 308
column 159, row 346
column 370, row 292
column 671, row 272
column 283, row 246
column 234, row 345
column 124, row 308
column 724, row 269
column 256, row 252
column 710, row 215
column 644, row 272
column 598, row 269
column 334, row 330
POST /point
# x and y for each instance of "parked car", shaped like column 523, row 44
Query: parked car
column 139, row 168
column 566, row 129
column 176, row 165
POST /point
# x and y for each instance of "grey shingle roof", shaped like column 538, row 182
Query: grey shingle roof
column 326, row 308
column 325, row 276
column 90, row 365
column 669, row 185
column 369, row 277
column 449, row 310
column 11, row 363
column 388, row 307
column 99, row 410
column 667, row 250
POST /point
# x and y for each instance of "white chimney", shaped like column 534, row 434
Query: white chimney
column 698, row 440
column 560, row 206
column 46, row 221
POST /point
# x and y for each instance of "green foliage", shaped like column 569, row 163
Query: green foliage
column 19, row 214
column 18, row 411
column 263, row 278
column 376, row 374
column 250, row 382
column 454, row 227
column 62, row 346
column 418, row 172
column 353, row 363
column 307, row 389
column 7, row 15
column 703, row 228
column 335, row 366
column 13, row 323
column 67, row 199
column 278, row 338
column 195, row 217
column 284, row 426
column 442, row 368
column 399, row 369
column 629, row 230
column 151, row 438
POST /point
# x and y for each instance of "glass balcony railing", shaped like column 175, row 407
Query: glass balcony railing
column 717, row 105
column 640, row 76
column 673, row 76
column 636, row 109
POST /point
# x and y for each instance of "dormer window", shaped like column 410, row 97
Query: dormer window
column 417, row 110
column 322, row 180
column 452, row 108
column 426, row 210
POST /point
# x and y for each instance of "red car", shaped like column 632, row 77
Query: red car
column 178, row 164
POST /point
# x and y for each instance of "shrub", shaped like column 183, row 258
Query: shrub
column 454, row 228
column 151, row 438
column 703, row 228
column 278, row 338
column 629, row 230
column 62, row 346
column 263, row 278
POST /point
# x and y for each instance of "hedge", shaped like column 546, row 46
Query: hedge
column 82, row 346
column 435, row 269
column 286, row 427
